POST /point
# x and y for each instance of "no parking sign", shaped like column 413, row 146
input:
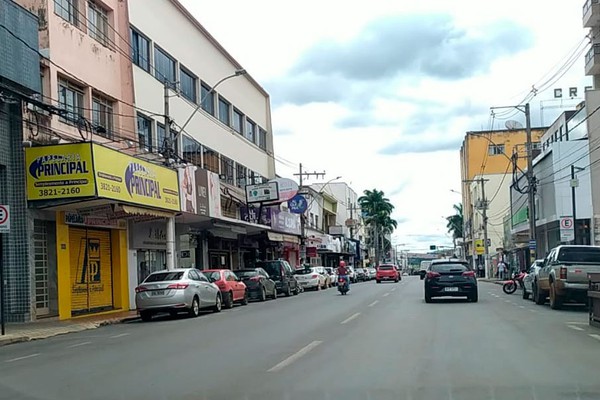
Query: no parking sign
column 4, row 218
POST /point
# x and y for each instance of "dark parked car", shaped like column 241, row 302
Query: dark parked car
column 260, row 286
column 453, row 278
column 283, row 274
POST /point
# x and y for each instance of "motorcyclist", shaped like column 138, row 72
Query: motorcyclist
column 342, row 272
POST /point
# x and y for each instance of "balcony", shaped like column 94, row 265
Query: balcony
column 592, row 60
column 591, row 13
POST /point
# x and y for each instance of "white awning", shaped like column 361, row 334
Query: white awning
column 133, row 210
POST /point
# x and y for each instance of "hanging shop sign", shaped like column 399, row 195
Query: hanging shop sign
column 297, row 204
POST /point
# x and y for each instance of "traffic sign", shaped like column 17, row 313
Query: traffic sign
column 567, row 229
column 4, row 218
column 532, row 244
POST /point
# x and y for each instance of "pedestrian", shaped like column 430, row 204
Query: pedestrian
column 501, row 269
column 480, row 272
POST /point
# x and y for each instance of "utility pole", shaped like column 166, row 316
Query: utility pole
column 486, row 254
column 530, row 186
column 171, row 256
column 574, row 185
column 301, row 174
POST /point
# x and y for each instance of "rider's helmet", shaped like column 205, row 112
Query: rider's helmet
column 342, row 263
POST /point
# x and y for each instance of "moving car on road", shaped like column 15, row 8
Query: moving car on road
column 232, row 288
column 453, row 278
column 174, row 291
column 258, row 283
column 386, row 272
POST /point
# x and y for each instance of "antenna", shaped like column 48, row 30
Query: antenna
column 511, row 125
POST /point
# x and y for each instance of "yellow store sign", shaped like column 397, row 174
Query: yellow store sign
column 56, row 172
column 90, row 170
column 479, row 247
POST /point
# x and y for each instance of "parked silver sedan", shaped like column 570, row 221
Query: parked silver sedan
column 531, row 277
column 174, row 291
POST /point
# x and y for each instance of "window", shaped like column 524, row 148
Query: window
column 70, row 98
column 227, row 170
column 257, row 179
column 536, row 145
column 140, row 50
column 317, row 222
column 208, row 104
column 98, row 23
column 188, row 85
column 192, row 150
column 560, row 132
column 164, row 67
column 102, row 115
column 238, row 121
column 242, row 176
column 262, row 138
column 250, row 130
column 211, row 160
column 496, row 149
column 67, row 10
column 144, row 130
column 224, row 110
column 312, row 220
column 556, row 136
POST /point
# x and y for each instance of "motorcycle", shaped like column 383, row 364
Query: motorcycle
column 343, row 286
column 516, row 281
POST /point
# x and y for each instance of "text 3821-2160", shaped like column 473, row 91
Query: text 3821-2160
column 59, row 191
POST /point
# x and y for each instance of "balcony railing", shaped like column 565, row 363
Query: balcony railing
column 595, row 49
column 588, row 4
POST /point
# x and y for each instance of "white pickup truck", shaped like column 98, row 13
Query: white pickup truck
column 563, row 277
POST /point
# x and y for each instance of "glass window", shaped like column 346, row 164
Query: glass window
column 579, row 255
column 250, row 130
column 449, row 267
column 144, row 130
column 192, row 150
column 70, row 98
column 317, row 222
column 188, row 85
column 102, row 115
column 211, row 160
column 496, row 149
column 67, row 10
column 140, row 50
column 224, row 111
column 208, row 99
column 164, row 276
column 242, row 176
column 262, row 138
column 238, row 121
column 98, row 23
column 213, row 276
column 226, row 170
column 164, row 67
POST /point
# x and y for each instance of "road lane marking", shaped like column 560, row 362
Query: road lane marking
column 78, row 345
column 294, row 357
column 394, row 289
column 507, row 301
column 22, row 358
column 386, row 294
column 595, row 336
column 350, row 318
column 577, row 323
column 120, row 335
column 575, row 327
column 373, row 303
column 532, row 310
column 521, row 306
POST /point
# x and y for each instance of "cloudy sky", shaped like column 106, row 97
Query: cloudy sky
column 382, row 92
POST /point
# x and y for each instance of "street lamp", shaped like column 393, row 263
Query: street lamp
column 574, row 184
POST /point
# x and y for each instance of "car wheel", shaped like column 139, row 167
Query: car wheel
column 538, row 297
column 378, row 281
column 274, row 294
column 218, row 304
column 427, row 297
column 288, row 291
column 146, row 316
column 474, row 297
column 228, row 300
column 525, row 293
column 194, row 310
column 396, row 281
column 318, row 287
column 244, row 301
column 263, row 294
column 556, row 301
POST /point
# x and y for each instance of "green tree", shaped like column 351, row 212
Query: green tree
column 455, row 222
column 377, row 210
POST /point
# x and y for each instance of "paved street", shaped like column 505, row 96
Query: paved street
column 380, row 342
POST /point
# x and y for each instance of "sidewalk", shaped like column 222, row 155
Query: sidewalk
column 24, row 332
column 493, row 280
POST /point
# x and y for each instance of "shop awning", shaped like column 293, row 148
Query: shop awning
column 133, row 210
column 291, row 239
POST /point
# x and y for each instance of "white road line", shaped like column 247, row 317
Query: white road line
column 577, row 323
column 120, row 335
column 575, row 327
column 394, row 289
column 532, row 310
column 521, row 306
column 386, row 294
column 78, row 345
column 294, row 357
column 22, row 358
column 507, row 301
column 373, row 303
column 350, row 318
column 597, row 337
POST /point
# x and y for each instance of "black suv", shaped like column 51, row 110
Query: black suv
column 283, row 274
column 450, row 278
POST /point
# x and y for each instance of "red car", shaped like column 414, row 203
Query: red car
column 232, row 288
column 387, row 272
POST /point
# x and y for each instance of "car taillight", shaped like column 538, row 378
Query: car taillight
column 563, row 272
column 432, row 274
column 314, row 276
column 469, row 273
column 140, row 289
column 255, row 279
column 178, row 286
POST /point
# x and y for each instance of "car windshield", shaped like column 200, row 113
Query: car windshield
column 212, row 276
column 273, row 268
column 579, row 254
column 304, row 271
column 386, row 267
column 449, row 267
column 246, row 273
column 165, row 276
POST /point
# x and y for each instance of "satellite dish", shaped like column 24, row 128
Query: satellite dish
column 511, row 125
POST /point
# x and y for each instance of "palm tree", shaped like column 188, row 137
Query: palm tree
column 377, row 210
column 455, row 223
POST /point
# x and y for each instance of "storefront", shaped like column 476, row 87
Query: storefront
column 95, row 193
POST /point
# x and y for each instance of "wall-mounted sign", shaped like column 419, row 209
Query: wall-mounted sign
column 262, row 192
column 297, row 204
column 287, row 188
column 286, row 222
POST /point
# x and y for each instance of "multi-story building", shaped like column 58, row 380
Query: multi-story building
column 486, row 159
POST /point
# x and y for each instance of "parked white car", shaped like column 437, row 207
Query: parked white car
column 531, row 278
column 310, row 278
column 333, row 276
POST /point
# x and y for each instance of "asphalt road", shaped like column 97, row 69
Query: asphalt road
column 379, row 342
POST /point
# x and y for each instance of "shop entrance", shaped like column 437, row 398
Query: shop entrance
column 150, row 261
column 91, row 271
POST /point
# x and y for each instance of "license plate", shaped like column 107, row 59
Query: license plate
column 451, row 289
column 158, row 293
